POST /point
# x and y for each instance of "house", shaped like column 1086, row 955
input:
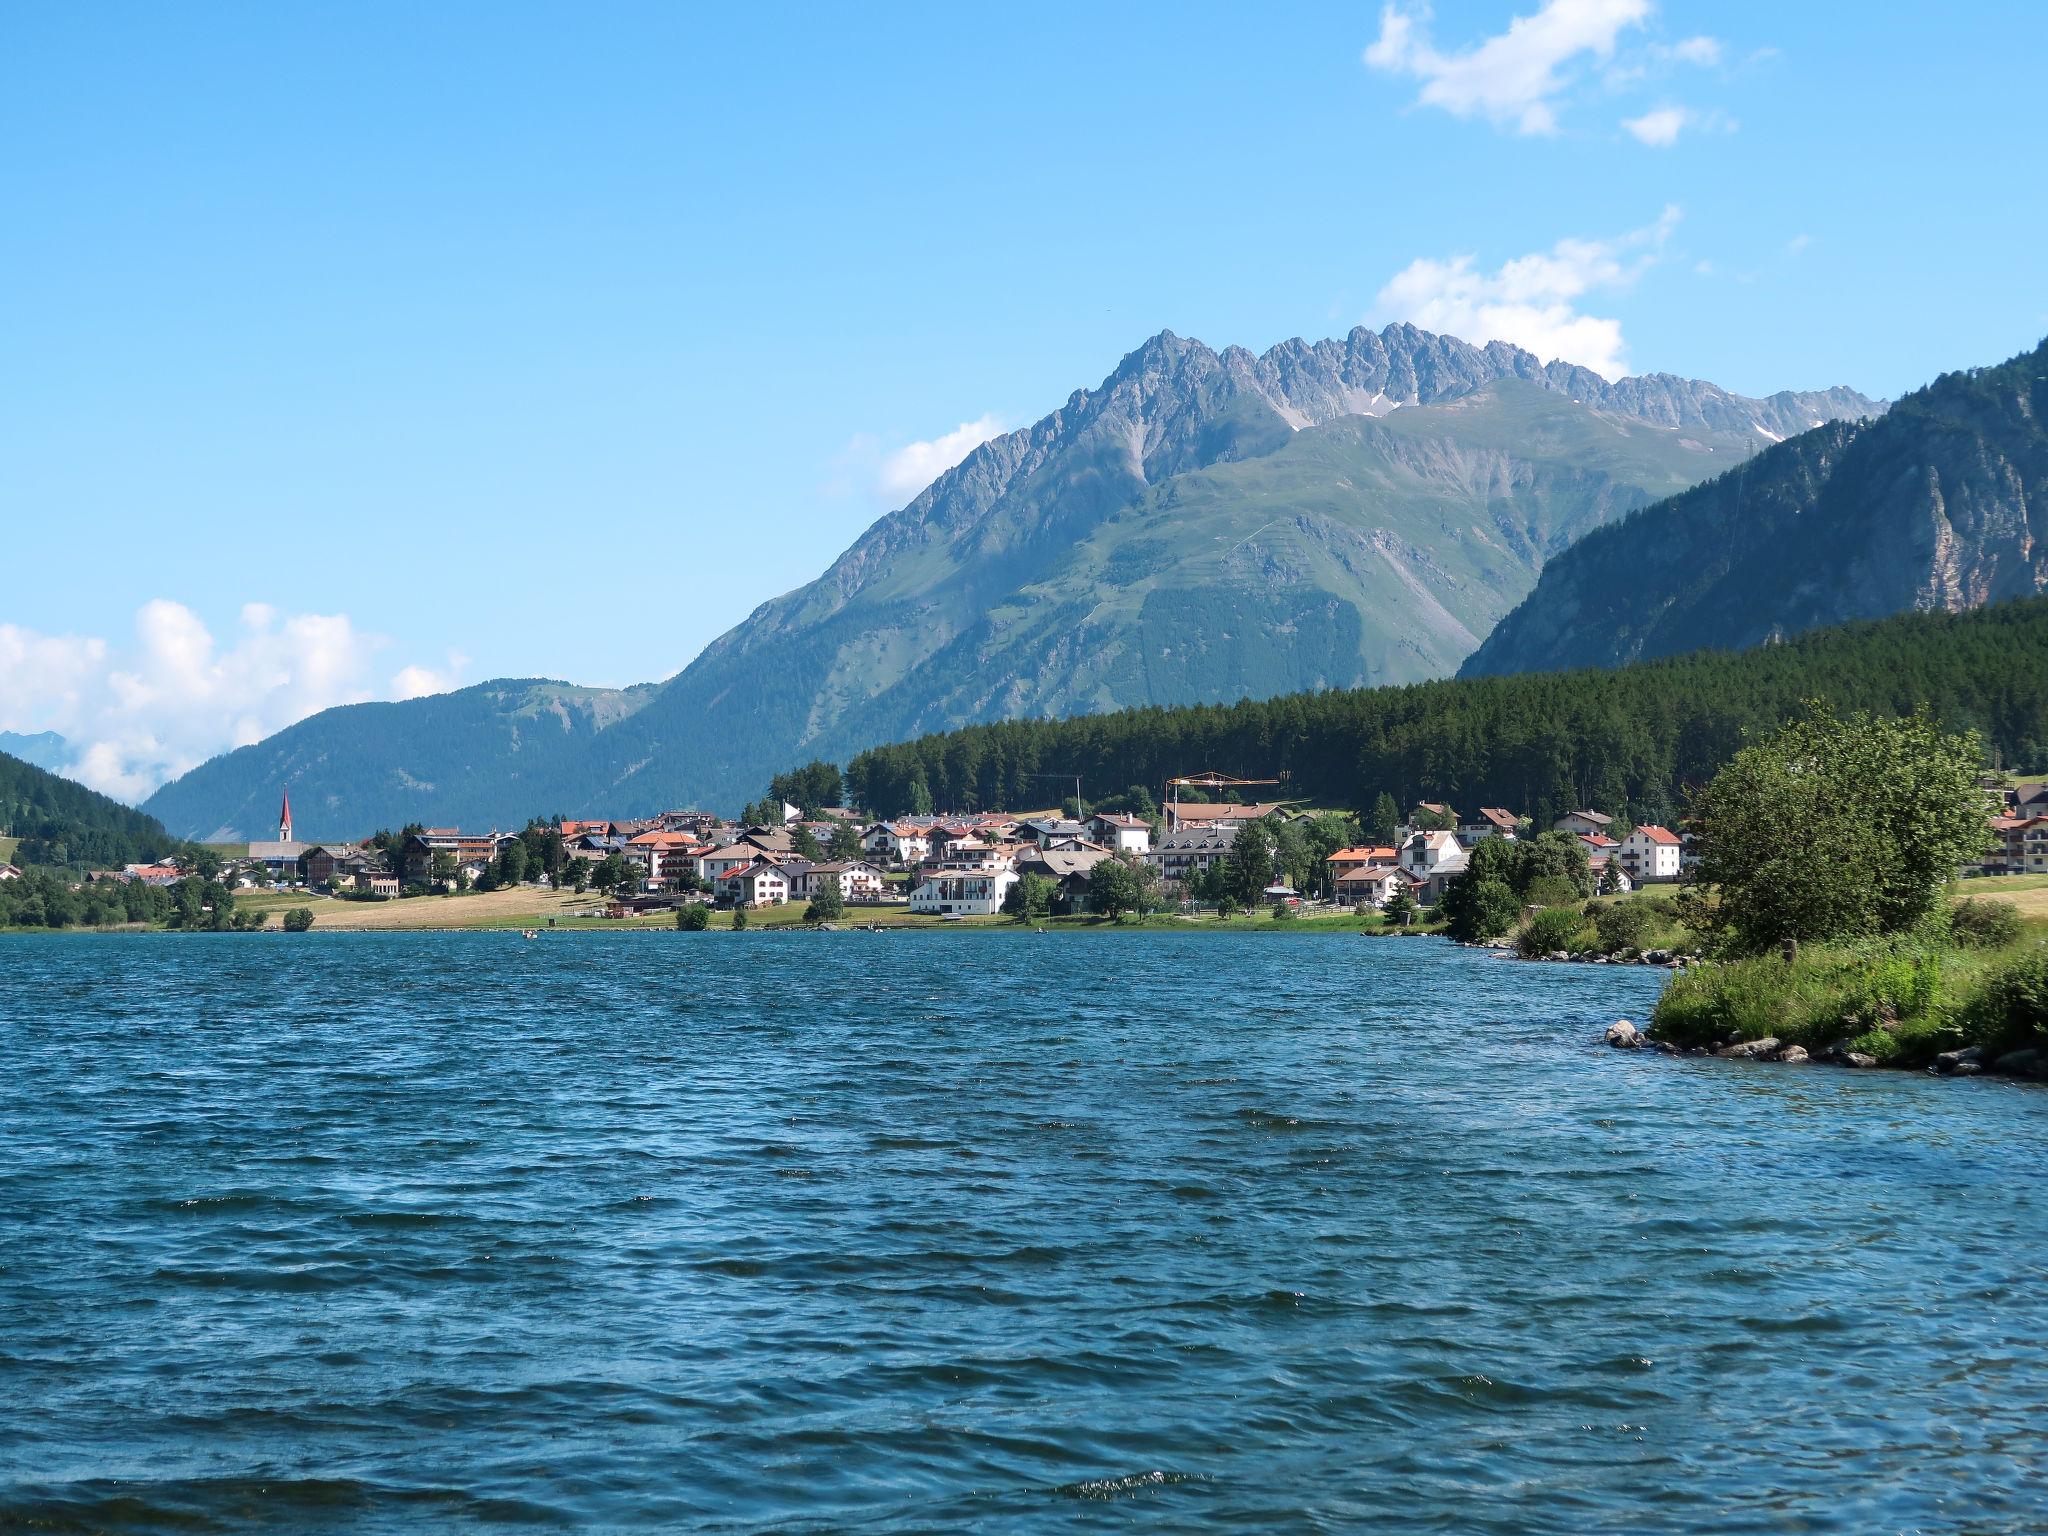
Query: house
column 1491, row 821
column 2030, row 800
column 1433, row 812
column 1183, row 855
column 661, row 858
column 967, row 892
column 714, row 864
column 1042, row 831
column 1434, row 859
column 379, row 882
column 280, row 859
column 9, row 872
column 1373, row 885
column 1346, row 861
column 1068, row 868
column 1601, row 866
column 858, row 881
column 471, row 851
column 1122, row 834
column 154, row 874
column 2019, row 847
column 573, row 829
column 326, row 863
column 1581, row 823
column 758, row 884
column 898, row 843
column 1650, row 853
column 1182, row 814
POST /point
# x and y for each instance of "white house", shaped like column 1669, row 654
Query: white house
column 858, row 880
column 1433, row 859
column 714, row 864
column 9, row 872
column 755, row 885
column 896, row 842
column 970, row 892
column 1491, row 821
column 1123, row 834
column 1650, row 853
column 1373, row 884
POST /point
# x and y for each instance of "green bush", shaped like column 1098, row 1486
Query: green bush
column 1982, row 923
column 1477, row 910
column 298, row 920
column 1553, row 929
column 694, row 918
column 2010, row 1009
column 1624, row 925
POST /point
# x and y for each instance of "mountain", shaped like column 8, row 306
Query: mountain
column 1928, row 507
column 46, row 749
column 488, row 756
column 56, row 821
column 1203, row 526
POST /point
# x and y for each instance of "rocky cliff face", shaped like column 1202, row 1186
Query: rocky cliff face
column 1930, row 506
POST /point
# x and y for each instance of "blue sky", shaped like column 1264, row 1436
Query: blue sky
column 354, row 351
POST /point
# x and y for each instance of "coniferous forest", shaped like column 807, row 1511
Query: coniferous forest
column 59, row 822
column 1633, row 742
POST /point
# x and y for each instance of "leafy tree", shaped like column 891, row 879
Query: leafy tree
column 1839, row 827
column 1551, row 930
column 1113, row 887
column 1399, row 910
column 1030, row 897
column 1477, row 910
column 828, row 905
column 845, row 843
column 298, row 920
column 512, row 863
column 443, row 869
column 804, row 844
column 739, row 918
column 1322, row 835
column 693, row 918
column 1250, row 867
column 612, row 873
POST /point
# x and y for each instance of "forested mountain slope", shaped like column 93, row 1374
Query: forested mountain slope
column 1930, row 506
column 1628, row 741
column 483, row 757
column 59, row 822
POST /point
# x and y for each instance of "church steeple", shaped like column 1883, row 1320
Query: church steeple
column 284, row 819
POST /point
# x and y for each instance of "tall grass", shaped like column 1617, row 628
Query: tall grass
column 1901, row 1001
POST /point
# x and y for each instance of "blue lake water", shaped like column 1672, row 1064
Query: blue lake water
column 959, row 1231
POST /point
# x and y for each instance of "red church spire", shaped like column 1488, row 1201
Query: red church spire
column 284, row 819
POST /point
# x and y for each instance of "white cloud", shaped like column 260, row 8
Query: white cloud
column 140, row 713
column 1533, row 300
column 867, row 469
column 1660, row 126
column 1797, row 244
column 1703, row 51
column 914, row 466
column 1513, row 79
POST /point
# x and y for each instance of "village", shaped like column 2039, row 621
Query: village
column 974, row 865
column 935, row 866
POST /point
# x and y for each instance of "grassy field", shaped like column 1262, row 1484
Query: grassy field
column 530, row 908
column 7, row 847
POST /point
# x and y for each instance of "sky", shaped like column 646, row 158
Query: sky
column 364, row 351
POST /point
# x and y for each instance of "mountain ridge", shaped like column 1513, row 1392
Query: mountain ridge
column 950, row 609
column 1930, row 506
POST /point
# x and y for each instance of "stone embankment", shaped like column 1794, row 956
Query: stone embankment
column 1970, row 1061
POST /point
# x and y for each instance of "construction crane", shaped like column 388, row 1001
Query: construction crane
column 1209, row 778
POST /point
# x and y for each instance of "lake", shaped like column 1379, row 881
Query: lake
column 948, row 1231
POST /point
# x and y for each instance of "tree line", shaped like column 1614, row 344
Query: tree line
column 1634, row 742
